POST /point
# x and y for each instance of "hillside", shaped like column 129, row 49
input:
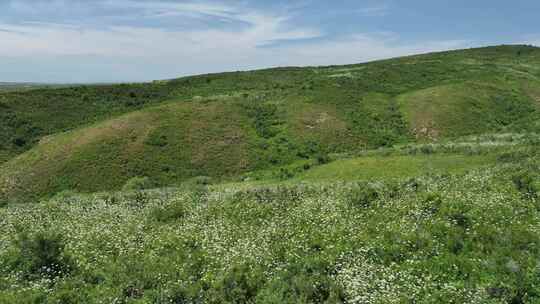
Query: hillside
column 409, row 180
column 223, row 126
column 452, row 222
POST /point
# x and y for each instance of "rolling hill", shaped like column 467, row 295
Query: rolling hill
column 223, row 126
column 409, row 180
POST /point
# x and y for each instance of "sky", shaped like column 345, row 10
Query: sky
column 88, row 41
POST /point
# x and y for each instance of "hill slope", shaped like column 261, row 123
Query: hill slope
column 448, row 238
column 223, row 125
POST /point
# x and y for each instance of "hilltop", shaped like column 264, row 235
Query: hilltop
column 224, row 126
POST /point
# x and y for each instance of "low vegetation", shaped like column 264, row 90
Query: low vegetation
column 411, row 180
column 467, row 237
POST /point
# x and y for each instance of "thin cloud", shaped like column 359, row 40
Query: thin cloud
column 165, row 8
column 114, row 40
column 142, row 52
column 374, row 11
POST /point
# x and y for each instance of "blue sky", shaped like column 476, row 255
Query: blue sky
column 140, row 40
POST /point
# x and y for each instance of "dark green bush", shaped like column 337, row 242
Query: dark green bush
column 157, row 140
column 363, row 196
column 308, row 281
column 240, row 284
column 40, row 255
column 322, row 158
column 139, row 199
column 265, row 118
column 203, row 180
column 170, row 213
column 527, row 183
column 432, row 203
column 427, row 149
column 285, row 174
column 198, row 194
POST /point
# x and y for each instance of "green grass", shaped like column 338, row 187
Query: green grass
column 384, row 167
column 453, row 237
column 289, row 185
column 463, row 109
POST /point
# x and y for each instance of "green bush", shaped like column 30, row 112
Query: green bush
column 138, row 183
column 285, row 174
column 432, row 203
column 66, row 196
column 363, row 196
column 308, row 281
column 169, row 213
column 527, row 183
column 323, row 158
column 238, row 285
column 40, row 255
column 157, row 140
column 203, row 180
column 427, row 149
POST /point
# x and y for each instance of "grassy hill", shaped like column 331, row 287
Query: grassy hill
column 410, row 180
column 451, row 222
column 96, row 138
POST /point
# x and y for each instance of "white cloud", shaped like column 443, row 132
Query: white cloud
column 145, row 53
column 531, row 39
column 165, row 8
column 374, row 11
column 35, row 38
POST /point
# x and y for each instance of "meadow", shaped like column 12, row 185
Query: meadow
column 408, row 180
column 467, row 236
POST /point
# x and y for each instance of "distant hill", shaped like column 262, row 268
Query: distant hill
column 95, row 138
column 18, row 86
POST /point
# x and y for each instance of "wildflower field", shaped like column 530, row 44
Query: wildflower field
column 465, row 236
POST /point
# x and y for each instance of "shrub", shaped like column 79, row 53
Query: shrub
column 513, row 156
column 139, row 199
column 432, row 203
column 322, row 158
column 427, row 149
column 285, row 173
column 238, row 285
column 308, row 281
column 198, row 194
column 40, row 255
column 169, row 213
column 363, row 196
column 527, row 183
column 203, row 180
column 157, row 140
column 138, row 183
column 66, row 196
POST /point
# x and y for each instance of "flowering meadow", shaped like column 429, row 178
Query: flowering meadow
column 471, row 237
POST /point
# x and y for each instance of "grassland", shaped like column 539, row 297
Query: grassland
column 226, row 125
column 410, row 180
column 415, row 223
